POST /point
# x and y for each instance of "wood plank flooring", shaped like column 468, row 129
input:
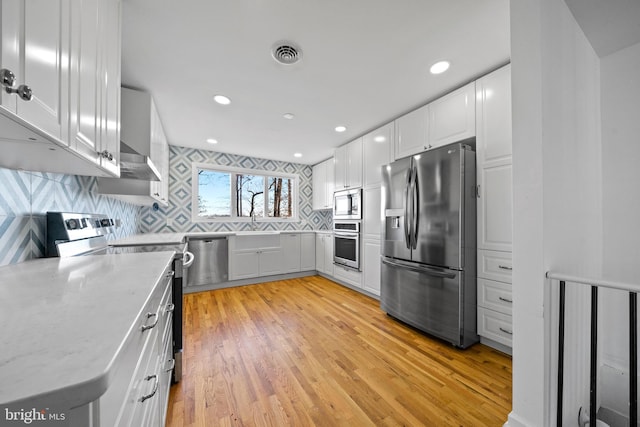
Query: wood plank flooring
column 309, row 352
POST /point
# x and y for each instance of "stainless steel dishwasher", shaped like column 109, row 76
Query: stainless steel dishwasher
column 211, row 264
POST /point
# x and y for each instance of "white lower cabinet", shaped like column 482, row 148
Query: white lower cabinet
column 307, row 251
column 495, row 301
column 139, row 386
column 324, row 253
column 371, row 266
column 348, row 275
column 291, row 252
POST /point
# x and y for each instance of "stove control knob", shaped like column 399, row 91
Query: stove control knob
column 72, row 224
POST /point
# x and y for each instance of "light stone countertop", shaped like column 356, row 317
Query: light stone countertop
column 64, row 321
column 175, row 238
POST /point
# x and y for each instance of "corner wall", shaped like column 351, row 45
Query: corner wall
column 557, row 178
column 621, row 204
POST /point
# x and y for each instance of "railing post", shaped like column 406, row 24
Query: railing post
column 633, row 359
column 560, row 353
column 593, row 389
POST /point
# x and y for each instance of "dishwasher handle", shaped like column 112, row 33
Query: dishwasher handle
column 190, row 257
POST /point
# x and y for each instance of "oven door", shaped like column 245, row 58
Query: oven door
column 346, row 249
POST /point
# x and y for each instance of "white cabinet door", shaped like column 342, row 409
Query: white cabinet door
column 307, row 251
column 371, row 270
column 377, row 150
column 412, row 132
column 318, row 182
column 95, row 82
column 372, row 213
column 341, row 159
column 324, row 253
column 291, row 250
column 319, row 242
column 270, row 261
column 354, row 165
column 495, row 207
column 246, row 264
column 330, row 183
column 348, row 165
column 493, row 117
column 494, row 172
column 452, row 118
column 35, row 39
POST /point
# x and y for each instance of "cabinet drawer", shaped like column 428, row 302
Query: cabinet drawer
column 494, row 265
column 495, row 296
column 349, row 275
column 495, row 326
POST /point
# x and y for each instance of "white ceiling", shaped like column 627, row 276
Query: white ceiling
column 609, row 25
column 365, row 62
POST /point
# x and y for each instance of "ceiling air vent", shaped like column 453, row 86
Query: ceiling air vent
column 286, row 53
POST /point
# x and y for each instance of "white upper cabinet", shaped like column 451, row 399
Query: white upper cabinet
column 35, row 48
column 493, row 151
column 322, row 181
column 95, row 82
column 348, row 165
column 377, row 150
column 493, row 113
column 412, row 132
column 452, row 118
column 67, row 54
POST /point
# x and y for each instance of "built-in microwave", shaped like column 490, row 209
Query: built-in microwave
column 347, row 204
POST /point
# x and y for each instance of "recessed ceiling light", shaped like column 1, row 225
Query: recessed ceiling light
column 222, row 100
column 297, row 155
column 340, row 128
column 288, row 116
column 439, row 67
column 212, row 141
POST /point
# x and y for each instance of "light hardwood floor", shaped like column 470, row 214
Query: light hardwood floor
column 309, row 352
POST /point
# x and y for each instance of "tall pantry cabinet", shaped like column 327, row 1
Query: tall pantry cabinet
column 495, row 207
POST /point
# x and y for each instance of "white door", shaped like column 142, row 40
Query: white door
column 412, row 132
column 452, row 118
column 495, row 207
column 377, row 151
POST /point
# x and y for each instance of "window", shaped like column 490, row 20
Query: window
column 232, row 194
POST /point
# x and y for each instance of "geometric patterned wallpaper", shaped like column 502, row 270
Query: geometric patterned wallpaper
column 25, row 197
column 179, row 210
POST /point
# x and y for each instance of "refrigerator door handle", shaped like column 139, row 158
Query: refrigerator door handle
column 407, row 211
column 415, row 208
column 425, row 270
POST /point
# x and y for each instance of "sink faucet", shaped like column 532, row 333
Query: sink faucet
column 253, row 222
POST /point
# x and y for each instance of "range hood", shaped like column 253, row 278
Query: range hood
column 136, row 166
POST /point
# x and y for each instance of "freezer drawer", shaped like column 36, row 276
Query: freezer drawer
column 211, row 264
column 437, row 301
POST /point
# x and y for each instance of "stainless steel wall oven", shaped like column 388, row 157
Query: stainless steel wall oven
column 346, row 243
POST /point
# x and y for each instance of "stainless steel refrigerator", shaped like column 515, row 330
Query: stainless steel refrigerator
column 428, row 277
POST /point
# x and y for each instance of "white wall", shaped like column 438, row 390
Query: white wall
column 621, row 201
column 557, row 198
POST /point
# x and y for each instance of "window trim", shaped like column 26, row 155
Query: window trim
column 195, row 166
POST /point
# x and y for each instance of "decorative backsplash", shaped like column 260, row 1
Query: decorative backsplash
column 179, row 210
column 25, row 198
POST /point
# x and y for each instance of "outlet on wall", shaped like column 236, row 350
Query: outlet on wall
column 169, row 222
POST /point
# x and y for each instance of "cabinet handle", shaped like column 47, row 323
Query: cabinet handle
column 505, row 300
column 7, row 78
column 172, row 362
column 106, row 155
column 151, row 326
column 24, row 92
column 506, row 331
column 478, row 191
column 170, row 308
column 155, row 388
column 505, row 267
